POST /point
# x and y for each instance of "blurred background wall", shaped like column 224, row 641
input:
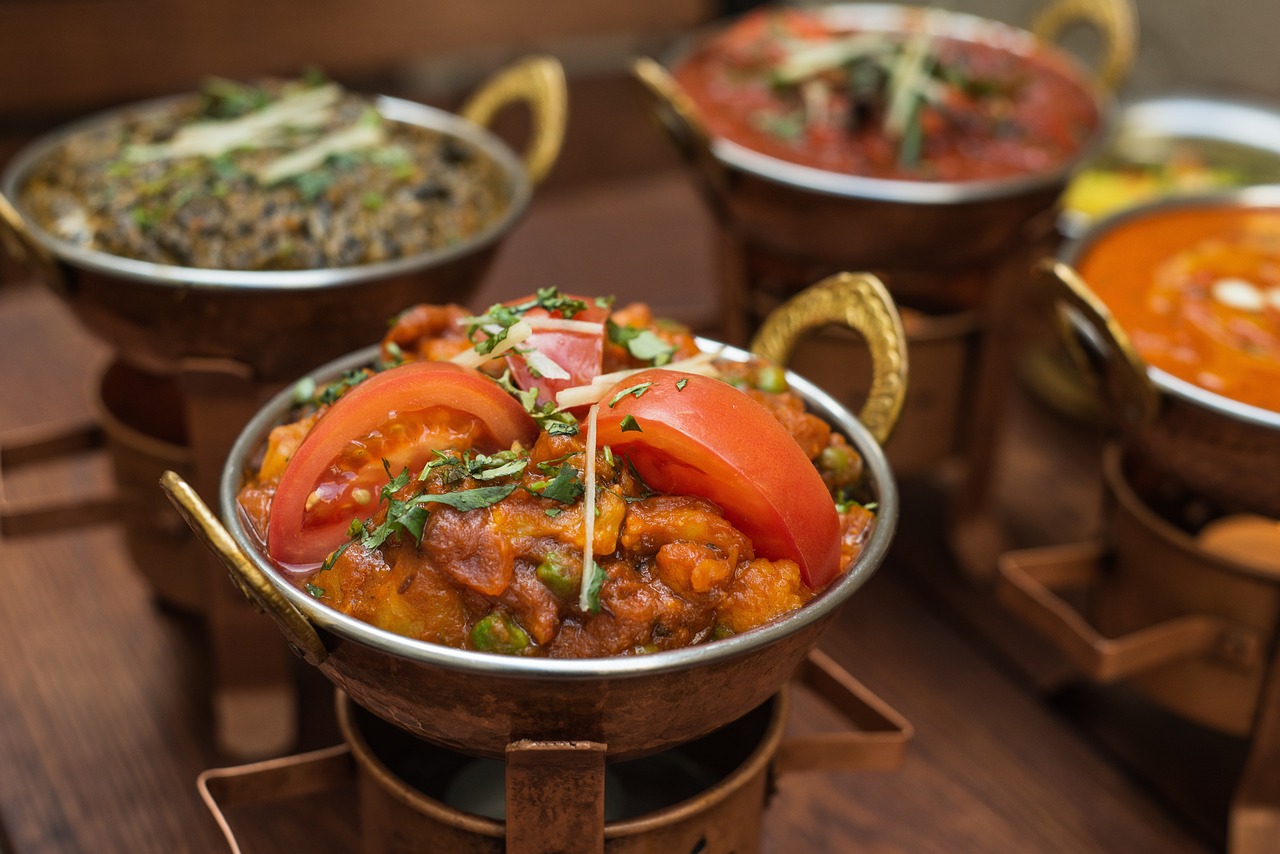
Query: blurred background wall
column 1223, row 46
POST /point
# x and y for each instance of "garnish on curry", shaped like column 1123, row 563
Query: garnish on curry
column 558, row 477
column 909, row 105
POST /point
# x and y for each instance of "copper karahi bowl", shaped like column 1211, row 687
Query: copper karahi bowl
column 156, row 315
column 1218, row 448
column 478, row 703
column 882, row 223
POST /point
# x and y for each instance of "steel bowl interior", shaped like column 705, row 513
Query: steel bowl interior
column 552, row 671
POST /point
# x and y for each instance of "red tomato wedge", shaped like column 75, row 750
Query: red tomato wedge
column 580, row 352
column 700, row 436
column 400, row 415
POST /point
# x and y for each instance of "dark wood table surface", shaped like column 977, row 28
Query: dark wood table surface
column 104, row 719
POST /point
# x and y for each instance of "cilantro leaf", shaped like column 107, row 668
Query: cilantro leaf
column 634, row 391
column 566, row 487
column 630, row 425
column 594, row 584
column 643, row 344
column 468, row 499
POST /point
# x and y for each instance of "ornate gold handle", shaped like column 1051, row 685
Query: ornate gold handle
column 296, row 628
column 1100, row 347
column 861, row 302
column 1115, row 20
column 16, row 240
column 540, row 82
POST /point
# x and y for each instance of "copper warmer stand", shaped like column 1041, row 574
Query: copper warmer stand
column 1155, row 619
column 706, row 796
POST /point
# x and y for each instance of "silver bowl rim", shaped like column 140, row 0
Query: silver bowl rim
column 401, row 110
column 1187, row 115
column 1263, row 197
column 494, row 665
column 888, row 17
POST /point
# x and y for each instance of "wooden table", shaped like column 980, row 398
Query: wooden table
column 104, row 723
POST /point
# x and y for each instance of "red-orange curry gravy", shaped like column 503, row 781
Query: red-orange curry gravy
column 888, row 105
column 1198, row 291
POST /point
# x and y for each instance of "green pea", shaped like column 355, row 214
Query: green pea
column 562, row 577
column 836, row 459
column 771, row 379
column 498, row 633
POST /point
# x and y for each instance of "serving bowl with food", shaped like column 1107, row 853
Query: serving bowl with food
column 1163, row 146
column 1175, row 308
column 891, row 137
column 223, row 224
column 561, row 519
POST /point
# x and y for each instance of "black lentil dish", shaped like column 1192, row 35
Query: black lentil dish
column 277, row 175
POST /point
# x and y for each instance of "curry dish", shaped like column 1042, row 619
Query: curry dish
column 558, row 477
column 281, row 175
column 1197, row 288
column 910, row 105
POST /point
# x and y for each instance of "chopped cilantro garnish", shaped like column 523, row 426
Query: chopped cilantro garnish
column 550, row 419
column 634, row 391
column 643, row 344
column 681, row 383
column 342, row 385
column 317, row 592
column 333, row 558
column 593, row 584
column 566, row 487
column 553, row 512
column 630, row 425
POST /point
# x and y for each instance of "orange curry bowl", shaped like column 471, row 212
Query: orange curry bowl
column 1177, row 307
column 477, row 690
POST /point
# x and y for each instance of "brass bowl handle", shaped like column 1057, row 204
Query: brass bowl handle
column 296, row 628
column 1026, row 587
column 1099, row 346
column 539, row 81
column 1115, row 20
column 17, row 242
column 877, row 742
column 861, row 302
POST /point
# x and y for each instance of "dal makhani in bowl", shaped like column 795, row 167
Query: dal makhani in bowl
column 173, row 227
column 424, row 528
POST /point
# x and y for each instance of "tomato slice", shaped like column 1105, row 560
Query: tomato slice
column 401, row 415
column 700, row 436
column 579, row 352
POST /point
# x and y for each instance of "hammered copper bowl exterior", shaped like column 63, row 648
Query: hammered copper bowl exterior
column 157, row 315
column 1219, row 449
column 856, row 222
column 477, row 703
